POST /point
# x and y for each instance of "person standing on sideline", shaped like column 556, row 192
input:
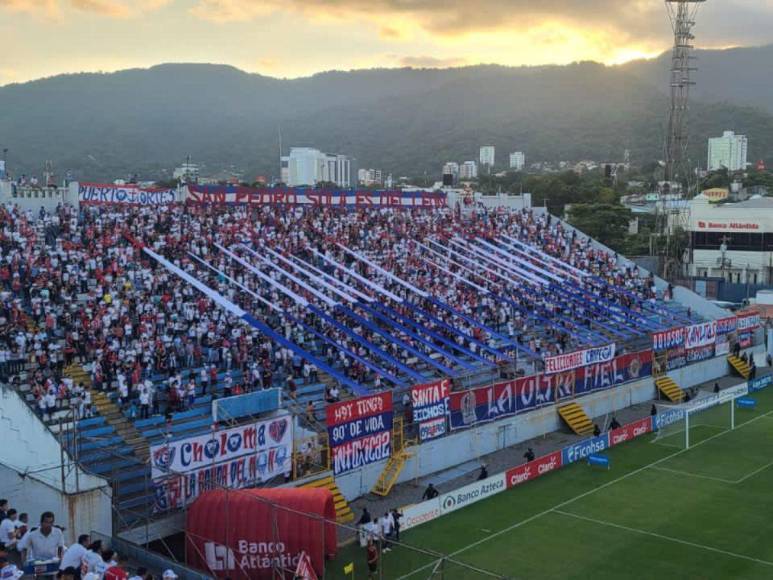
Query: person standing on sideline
column 372, row 554
column 386, row 524
column 430, row 492
column 396, row 515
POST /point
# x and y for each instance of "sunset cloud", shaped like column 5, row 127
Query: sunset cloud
column 607, row 21
column 318, row 35
column 107, row 8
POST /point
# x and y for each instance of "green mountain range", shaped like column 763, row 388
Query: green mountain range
column 404, row 121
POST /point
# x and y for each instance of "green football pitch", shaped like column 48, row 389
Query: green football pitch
column 661, row 511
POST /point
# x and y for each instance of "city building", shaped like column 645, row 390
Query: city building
column 733, row 241
column 728, row 152
column 450, row 173
column 369, row 177
column 468, row 170
column 487, row 156
column 187, row 172
column 305, row 166
column 517, row 160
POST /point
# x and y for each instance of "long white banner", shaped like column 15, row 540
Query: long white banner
column 581, row 358
column 207, row 450
column 107, row 193
column 425, row 511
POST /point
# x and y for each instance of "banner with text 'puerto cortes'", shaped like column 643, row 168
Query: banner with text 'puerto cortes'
column 360, row 431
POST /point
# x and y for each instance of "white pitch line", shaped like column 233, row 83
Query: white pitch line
column 697, row 475
column 753, row 473
column 582, row 495
column 663, row 537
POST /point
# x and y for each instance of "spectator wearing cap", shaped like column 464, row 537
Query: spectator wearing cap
column 169, row 575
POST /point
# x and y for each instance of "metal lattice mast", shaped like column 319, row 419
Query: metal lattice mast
column 682, row 15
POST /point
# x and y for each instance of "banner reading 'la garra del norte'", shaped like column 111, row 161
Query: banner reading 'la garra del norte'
column 360, row 431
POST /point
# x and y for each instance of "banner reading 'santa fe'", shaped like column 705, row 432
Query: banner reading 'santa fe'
column 360, row 431
column 429, row 403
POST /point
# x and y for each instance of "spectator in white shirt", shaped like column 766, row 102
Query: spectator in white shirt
column 92, row 558
column 74, row 555
column 8, row 530
column 387, row 525
column 43, row 543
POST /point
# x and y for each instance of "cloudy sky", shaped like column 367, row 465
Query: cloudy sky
column 290, row 38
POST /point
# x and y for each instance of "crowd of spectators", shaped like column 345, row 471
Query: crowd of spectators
column 41, row 547
column 76, row 287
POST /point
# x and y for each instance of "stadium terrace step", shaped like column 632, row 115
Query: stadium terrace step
column 576, row 418
column 670, row 389
column 739, row 366
column 343, row 510
column 391, row 472
column 112, row 414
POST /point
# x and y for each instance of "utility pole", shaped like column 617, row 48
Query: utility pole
column 682, row 15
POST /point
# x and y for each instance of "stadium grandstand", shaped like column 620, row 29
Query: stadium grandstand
column 123, row 323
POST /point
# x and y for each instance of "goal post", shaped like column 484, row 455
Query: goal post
column 685, row 425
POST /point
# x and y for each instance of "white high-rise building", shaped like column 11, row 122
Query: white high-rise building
column 517, row 160
column 468, row 170
column 370, row 177
column 307, row 166
column 487, row 155
column 728, row 151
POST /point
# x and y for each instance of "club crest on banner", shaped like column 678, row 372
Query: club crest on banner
column 276, row 429
column 163, row 457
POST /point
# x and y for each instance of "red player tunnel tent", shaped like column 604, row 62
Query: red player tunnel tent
column 260, row 533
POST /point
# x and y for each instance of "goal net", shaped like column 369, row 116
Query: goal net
column 705, row 416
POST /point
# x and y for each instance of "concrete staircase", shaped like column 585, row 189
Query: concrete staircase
column 344, row 512
column 670, row 389
column 576, row 418
column 739, row 366
column 112, row 413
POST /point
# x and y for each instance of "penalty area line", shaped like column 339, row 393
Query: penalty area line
column 664, row 537
column 582, row 495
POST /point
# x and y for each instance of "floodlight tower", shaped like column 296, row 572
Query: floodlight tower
column 682, row 15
